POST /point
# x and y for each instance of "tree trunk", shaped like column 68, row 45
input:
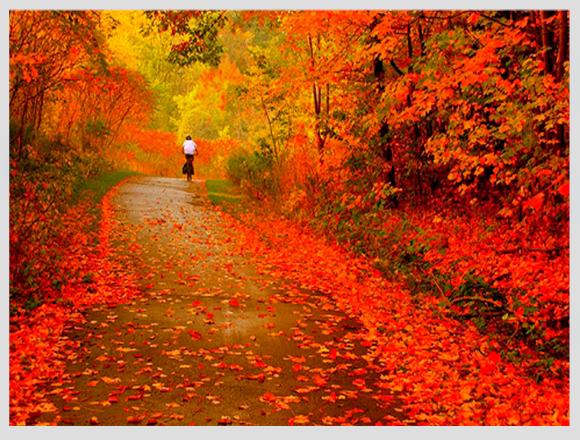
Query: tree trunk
column 536, row 27
column 379, row 74
column 270, row 127
column 563, row 55
column 385, row 147
column 317, row 94
column 547, row 42
column 409, row 41
column 387, row 153
column 21, row 129
column 421, row 39
column 39, row 111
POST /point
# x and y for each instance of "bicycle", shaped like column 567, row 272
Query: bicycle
column 188, row 167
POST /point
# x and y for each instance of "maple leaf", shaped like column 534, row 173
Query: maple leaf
column 268, row 398
column 177, row 416
column 384, row 397
column 358, row 372
column 224, row 420
column 331, row 398
column 235, row 367
column 306, row 390
column 319, row 380
column 110, row 380
column 535, row 202
column 220, row 365
column 195, row 336
column 494, row 357
column 299, row 420
column 564, row 189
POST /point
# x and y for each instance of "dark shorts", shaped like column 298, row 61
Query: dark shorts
column 189, row 156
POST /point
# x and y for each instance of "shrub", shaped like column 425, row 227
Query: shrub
column 253, row 172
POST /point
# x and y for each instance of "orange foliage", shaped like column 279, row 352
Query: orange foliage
column 148, row 151
column 446, row 132
column 159, row 153
column 452, row 130
column 94, row 110
column 449, row 372
column 531, row 275
column 213, row 154
column 61, row 84
column 38, row 353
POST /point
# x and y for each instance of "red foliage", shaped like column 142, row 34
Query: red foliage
column 38, row 353
column 160, row 153
column 152, row 141
column 529, row 274
column 449, row 372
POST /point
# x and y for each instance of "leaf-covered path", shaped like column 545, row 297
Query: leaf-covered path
column 212, row 340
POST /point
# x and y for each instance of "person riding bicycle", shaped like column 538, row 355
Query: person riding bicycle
column 189, row 149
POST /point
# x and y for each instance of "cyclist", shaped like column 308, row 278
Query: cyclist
column 189, row 149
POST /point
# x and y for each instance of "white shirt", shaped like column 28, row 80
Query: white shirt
column 189, row 147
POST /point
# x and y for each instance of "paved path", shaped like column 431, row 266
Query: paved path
column 211, row 341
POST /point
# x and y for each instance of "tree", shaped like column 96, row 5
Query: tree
column 196, row 32
column 46, row 48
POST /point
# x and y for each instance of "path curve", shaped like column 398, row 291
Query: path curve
column 211, row 341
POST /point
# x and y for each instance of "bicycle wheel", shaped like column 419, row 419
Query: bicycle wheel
column 189, row 170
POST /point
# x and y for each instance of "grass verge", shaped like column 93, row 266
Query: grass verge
column 100, row 185
column 94, row 189
column 225, row 194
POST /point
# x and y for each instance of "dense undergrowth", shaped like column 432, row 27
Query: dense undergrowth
column 55, row 193
column 60, row 261
column 449, row 369
column 516, row 289
column 509, row 278
column 71, row 267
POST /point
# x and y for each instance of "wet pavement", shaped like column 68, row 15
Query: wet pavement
column 211, row 341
